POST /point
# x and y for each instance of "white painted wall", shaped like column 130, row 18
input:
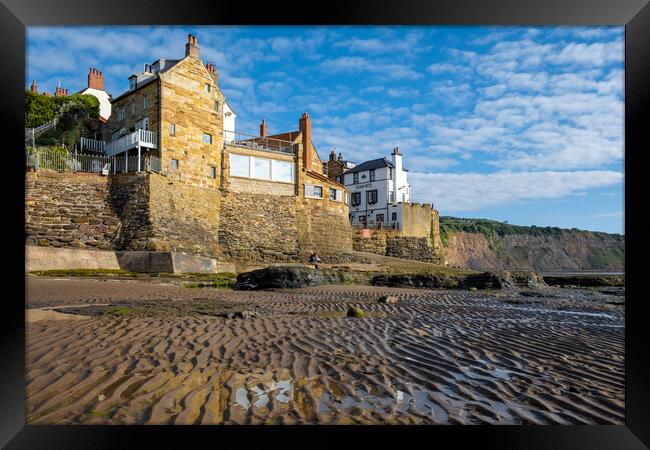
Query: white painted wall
column 228, row 122
column 104, row 101
column 384, row 187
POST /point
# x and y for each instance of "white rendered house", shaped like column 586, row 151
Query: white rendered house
column 96, row 89
column 378, row 188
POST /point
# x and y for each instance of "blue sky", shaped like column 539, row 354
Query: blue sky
column 508, row 123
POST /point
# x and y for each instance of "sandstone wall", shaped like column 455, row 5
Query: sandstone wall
column 128, row 197
column 416, row 218
column 323, row 226
column 409, row 247
column 183, row 217
column 259, row 227
column 135, row 111
column 392, row 243
column 186, row 104
column 69, row 210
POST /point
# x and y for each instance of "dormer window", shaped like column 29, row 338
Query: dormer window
column 132, row 82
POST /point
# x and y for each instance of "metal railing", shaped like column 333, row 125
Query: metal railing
column 142, row 138
column 31, row 133
column 91, row 145
column 377, row 225
column 47, row 159
column 257, row 143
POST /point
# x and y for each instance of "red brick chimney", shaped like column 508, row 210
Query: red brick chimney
column 96, row 79
column 263, row 129
column 304, row 125
column 191, row 48
column 34, row 87
column 212, row 69
column 60, row 92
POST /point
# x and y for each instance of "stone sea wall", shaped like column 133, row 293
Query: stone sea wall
column 323, row 226
column 392, row 243
column 257, row 227
column 183, row 217
column 69, row 210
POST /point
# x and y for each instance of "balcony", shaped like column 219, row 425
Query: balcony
column 139, row 138
column 257, row 142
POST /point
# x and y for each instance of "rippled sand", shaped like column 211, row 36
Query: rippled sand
column 436, row 357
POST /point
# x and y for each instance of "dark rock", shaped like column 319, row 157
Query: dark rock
column 390, row 299
column 503, row 280
column 245, row 314
column 585, row 280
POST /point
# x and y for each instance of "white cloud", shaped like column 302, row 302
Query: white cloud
column 476, row 191
column 357, row 64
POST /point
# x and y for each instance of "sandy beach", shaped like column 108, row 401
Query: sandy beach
column 142, row 352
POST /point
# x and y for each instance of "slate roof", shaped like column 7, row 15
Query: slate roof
column 149, row 79
column 373, row 164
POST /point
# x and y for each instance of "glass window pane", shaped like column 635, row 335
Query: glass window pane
column 239, row 165
column 262, row 168
column 282, row 171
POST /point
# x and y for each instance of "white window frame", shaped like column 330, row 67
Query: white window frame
column 254, row 173
column 172, row 129
column 249, row 165
column 309, row 191
column 274, row 163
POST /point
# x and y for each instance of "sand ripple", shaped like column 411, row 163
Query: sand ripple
column 444, row 357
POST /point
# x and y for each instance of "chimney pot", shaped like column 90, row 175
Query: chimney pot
column 263, row 128
column 191, row 48
column 95, row 79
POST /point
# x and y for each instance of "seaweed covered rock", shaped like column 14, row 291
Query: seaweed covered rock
column 489, row 280
column 356, row 312
column 504, row 280
column 417, row 280
column 585, row 280
column 284, row 277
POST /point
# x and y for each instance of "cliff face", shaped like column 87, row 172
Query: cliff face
column 565, row 250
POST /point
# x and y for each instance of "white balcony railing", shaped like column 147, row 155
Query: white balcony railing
column 257, row 142
column 91, row 145
column 141, row 138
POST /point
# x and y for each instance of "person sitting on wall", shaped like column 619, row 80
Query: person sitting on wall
column 314, row 258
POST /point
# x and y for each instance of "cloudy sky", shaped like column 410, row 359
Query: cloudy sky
column 508, row 123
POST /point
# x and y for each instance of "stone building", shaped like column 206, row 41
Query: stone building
column 213, row 192
column 379, row 190
column 385, row 219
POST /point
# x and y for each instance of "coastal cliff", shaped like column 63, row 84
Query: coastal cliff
column 481, row 244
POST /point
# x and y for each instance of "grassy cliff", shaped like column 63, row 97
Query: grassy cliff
column 483, row 244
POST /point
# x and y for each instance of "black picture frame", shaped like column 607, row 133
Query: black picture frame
column 15, row 15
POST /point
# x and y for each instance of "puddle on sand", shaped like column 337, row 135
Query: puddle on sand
column 409, row 399
column 281, row 390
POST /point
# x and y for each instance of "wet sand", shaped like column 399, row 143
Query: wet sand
column 553, row 356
